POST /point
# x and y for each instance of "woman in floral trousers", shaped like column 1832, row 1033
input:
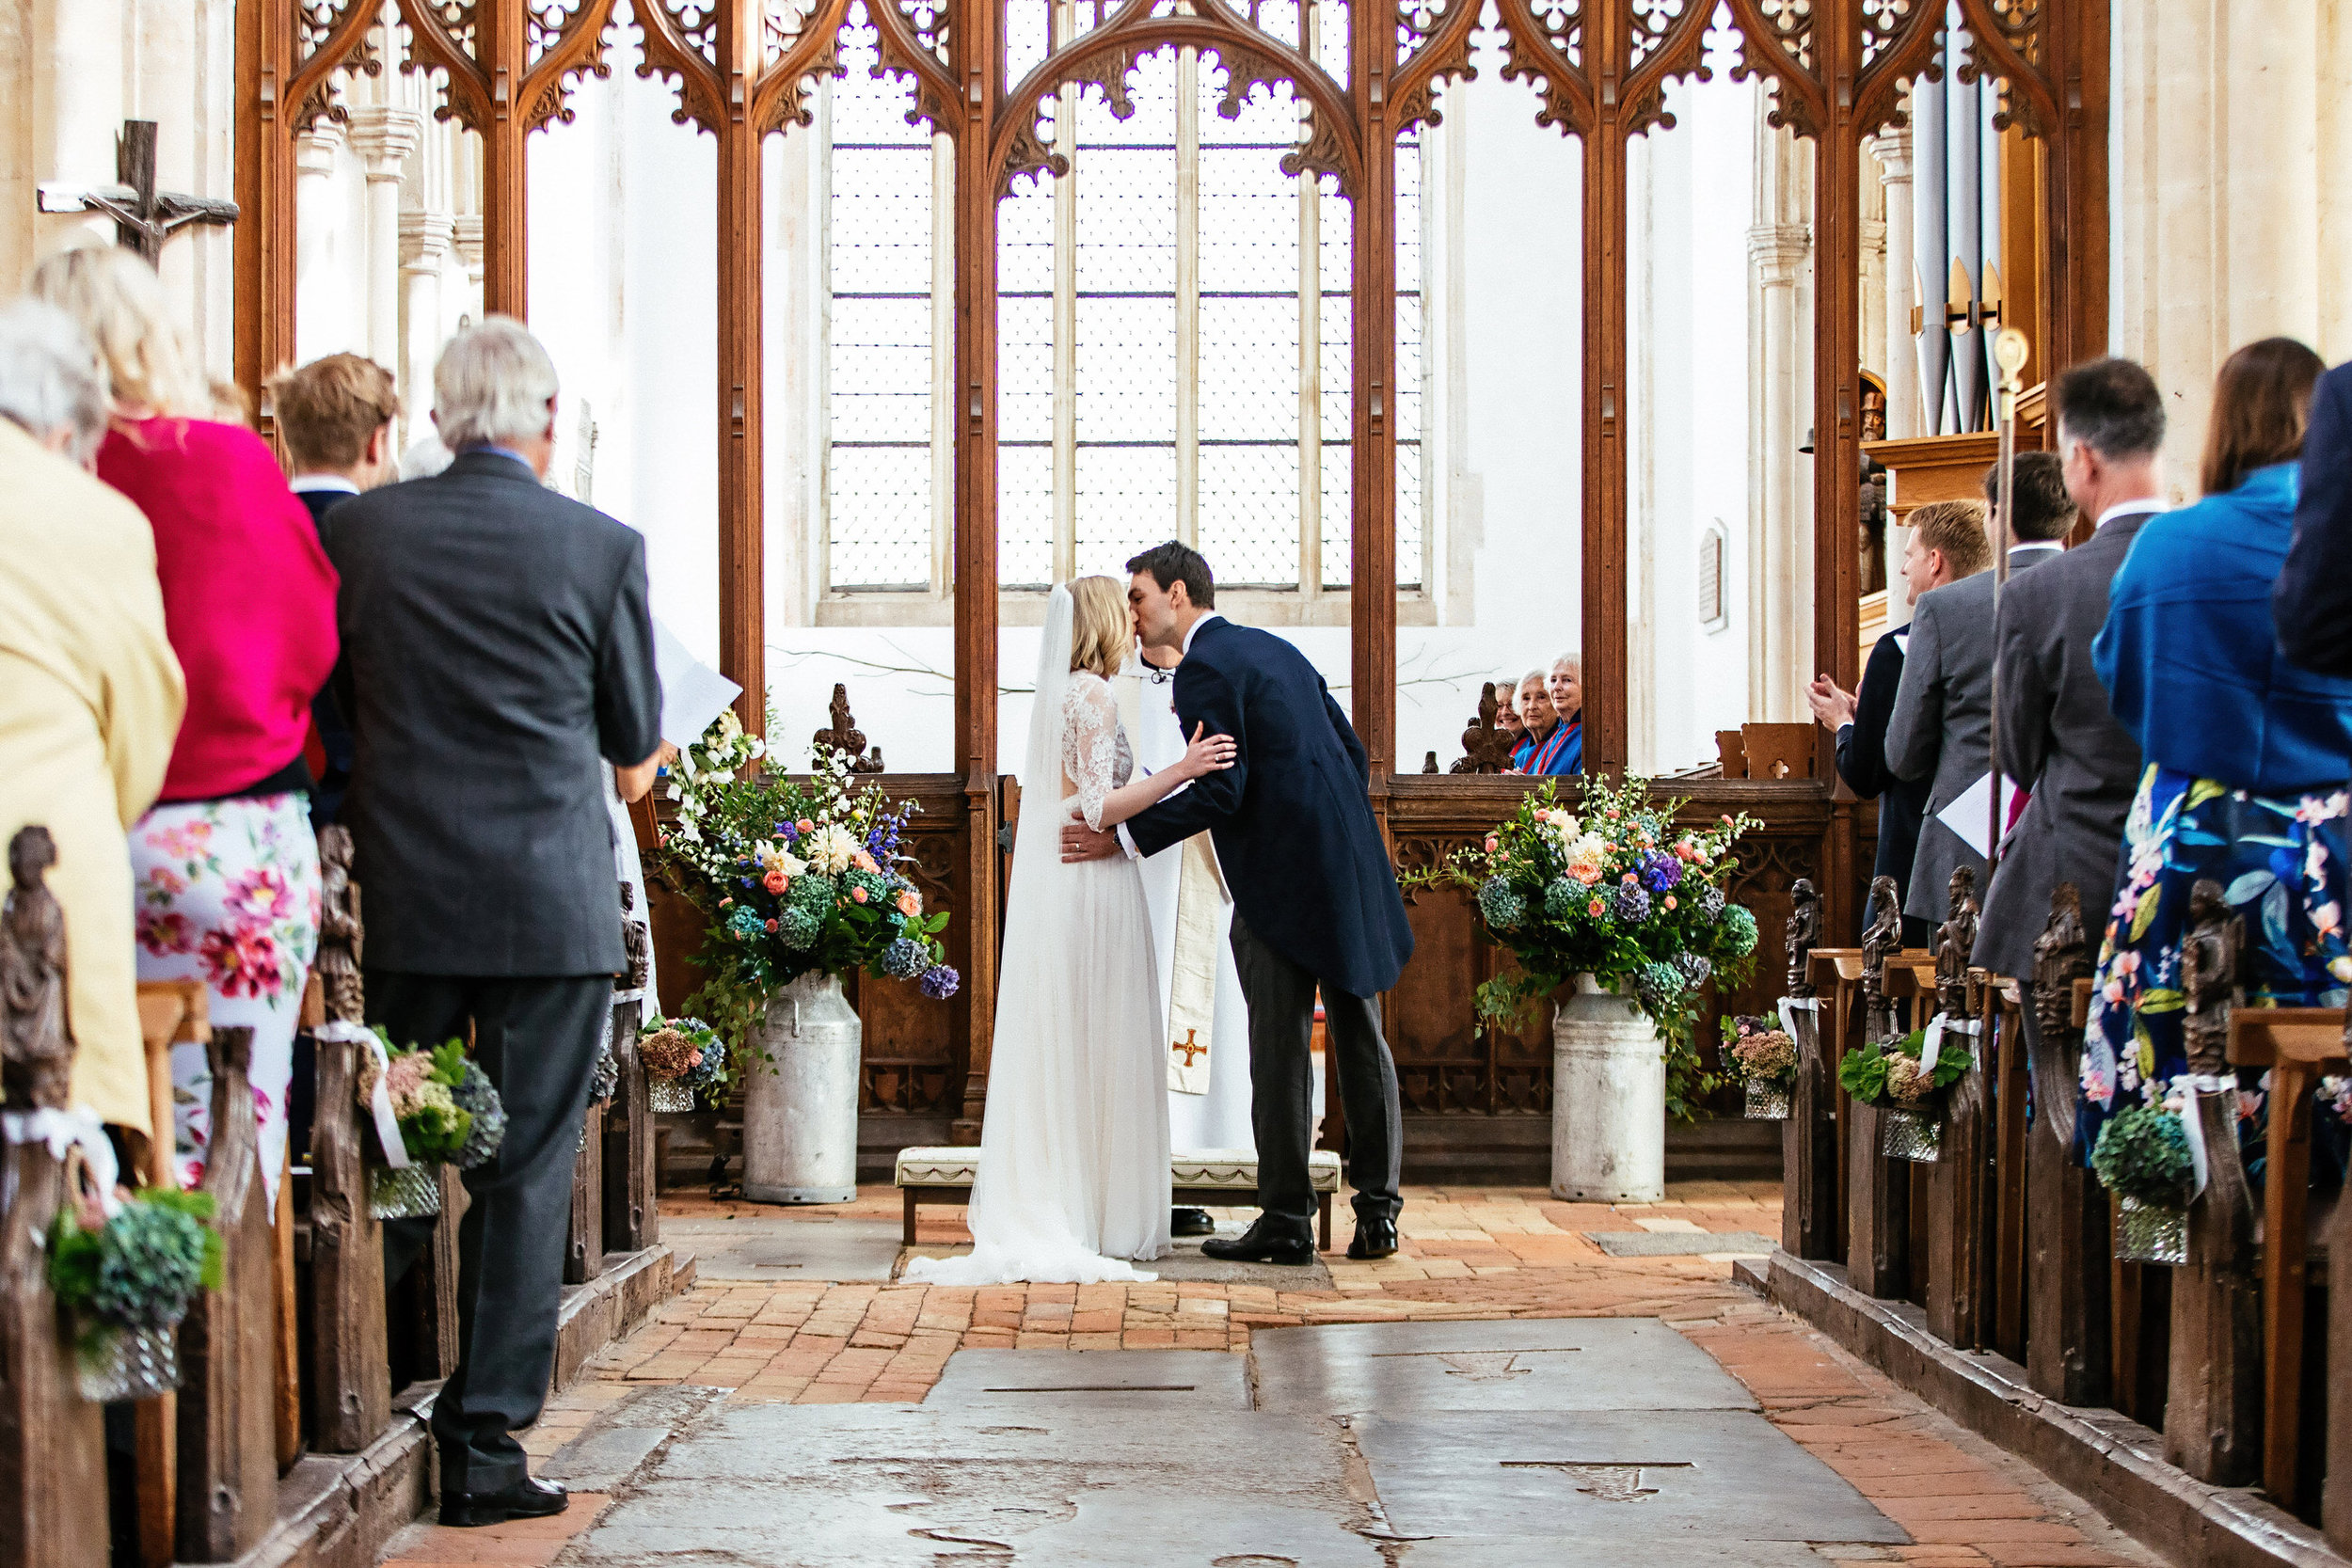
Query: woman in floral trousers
column 224, row 866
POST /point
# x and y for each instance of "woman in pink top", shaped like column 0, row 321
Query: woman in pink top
column 225, row 865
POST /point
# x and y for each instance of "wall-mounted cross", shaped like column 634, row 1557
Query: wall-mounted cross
column 144, row 216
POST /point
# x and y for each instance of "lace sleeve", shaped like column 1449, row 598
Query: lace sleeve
column 1089, row 743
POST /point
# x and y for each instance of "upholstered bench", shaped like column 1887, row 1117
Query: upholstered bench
column 1202, row 1178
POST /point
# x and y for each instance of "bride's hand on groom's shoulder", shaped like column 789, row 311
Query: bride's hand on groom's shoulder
column 1207, row 753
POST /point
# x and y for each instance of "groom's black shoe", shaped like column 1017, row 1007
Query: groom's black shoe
column 526, row 1499
column 1270, row 1239
column 1190, row 1222
column 1376, row 1237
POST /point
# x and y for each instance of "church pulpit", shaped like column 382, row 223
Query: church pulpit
column 228, row 1492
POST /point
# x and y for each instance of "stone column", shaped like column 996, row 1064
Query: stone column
column 383, row 135
column 317, row 308
column 468, row 227
column 424, row 245
column 1892, row 149
column 1780, row 646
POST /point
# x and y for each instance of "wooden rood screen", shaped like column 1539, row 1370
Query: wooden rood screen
column 743, row 69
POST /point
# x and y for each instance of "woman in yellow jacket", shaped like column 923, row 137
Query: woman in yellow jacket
column 90, row 693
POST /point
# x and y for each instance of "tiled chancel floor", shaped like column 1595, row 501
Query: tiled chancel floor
column 1468, row 1254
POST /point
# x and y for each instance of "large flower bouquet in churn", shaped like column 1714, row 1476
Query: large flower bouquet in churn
column 1617, row 891
column 795, row 876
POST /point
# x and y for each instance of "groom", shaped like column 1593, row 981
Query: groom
column 1315, row 903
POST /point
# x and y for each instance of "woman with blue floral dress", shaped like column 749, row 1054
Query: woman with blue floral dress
column 2243, row 753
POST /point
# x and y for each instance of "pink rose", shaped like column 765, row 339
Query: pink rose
column 774, row 881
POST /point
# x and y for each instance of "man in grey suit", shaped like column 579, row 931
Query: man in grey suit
column 496, row 646
column 2057, row 736
column 1941, row 725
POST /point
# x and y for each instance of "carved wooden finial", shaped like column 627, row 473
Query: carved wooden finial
column 1883, row 935
column 342, row 935
column 635, row 941
column 36, row 1036
column 1802, row 935
column 1956, row 939
column 846, row 736
column 1484, row 747
column 2061, row 955
column 2209, row 973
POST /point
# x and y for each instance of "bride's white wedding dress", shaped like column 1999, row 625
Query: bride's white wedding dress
column 1073, row 1172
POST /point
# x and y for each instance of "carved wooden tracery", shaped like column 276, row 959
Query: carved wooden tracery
column 1835, row 70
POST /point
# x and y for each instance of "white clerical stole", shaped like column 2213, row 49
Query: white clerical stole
column 1201, row 895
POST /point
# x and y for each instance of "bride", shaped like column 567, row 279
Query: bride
column 1073, row 1155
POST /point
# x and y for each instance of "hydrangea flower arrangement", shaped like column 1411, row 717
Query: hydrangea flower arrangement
column 2143, row 1154
column 448, row 1112
column 1618, row 890
column 1893, row 1076
column 683, row 1052
column 133, row 1277
column 794, row 876
column 1762, row 1052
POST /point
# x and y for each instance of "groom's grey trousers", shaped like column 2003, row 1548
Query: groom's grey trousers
column 1282, row 994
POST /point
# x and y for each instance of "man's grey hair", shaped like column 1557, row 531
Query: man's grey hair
column 492, row 386
column 49, row 378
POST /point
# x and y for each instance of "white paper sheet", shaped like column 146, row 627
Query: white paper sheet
column 692, row 693
column 1967, row 814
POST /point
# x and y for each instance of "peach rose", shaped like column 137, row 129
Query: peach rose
column 909, row 905
column 774, row 881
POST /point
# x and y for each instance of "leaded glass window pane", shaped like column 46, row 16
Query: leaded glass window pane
column 878, row 468
column 1406, row 418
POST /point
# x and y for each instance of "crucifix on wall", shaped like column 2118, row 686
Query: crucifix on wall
column 144, row 216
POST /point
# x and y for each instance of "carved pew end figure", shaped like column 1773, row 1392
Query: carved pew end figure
column 845, row 736
column 38, row 1068
column 2209, row 976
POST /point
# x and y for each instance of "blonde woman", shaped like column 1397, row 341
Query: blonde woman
column 1074, row 1158
column 225, row 872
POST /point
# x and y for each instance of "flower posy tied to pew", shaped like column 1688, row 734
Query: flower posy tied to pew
column 127, row 1265
column 1907, row 1078
column 1764, row 1057
column 1617, row 891
column 795, row 876
column 428, row 1108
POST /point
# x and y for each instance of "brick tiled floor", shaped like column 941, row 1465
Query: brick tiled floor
column 1467, row 1253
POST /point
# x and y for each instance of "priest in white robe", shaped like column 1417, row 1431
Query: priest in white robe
column 1200, row 998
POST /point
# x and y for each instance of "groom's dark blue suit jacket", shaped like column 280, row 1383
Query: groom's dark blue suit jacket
column 1293, row 828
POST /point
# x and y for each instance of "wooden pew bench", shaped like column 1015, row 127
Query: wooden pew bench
column 1206, row 1179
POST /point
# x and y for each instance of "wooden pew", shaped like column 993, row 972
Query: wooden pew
column 1836, row 974
column 2068, row 1273
column 228, row 1492
column 52, row 1442
column 2140, row 1313
column 583, row 1253
column 171, row 1012
column 2213, row 1409
column 2295, row 1045
column 630, row 1222
column 1808, row 1162
column 2005, row 1052
column 350, row 1382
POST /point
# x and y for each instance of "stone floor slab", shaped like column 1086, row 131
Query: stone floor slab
column 1508, row 1364
column 1698, row 1477
column 1053, row 1380
column 779, row 1486
column 838, row 1250
column 1189, row 1265
column 1525, row 1551
column 1690, row 1242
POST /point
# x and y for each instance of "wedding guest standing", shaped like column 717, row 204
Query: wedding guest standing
column 497, row 646
column 2058, row 738
column 2311, row 607
column 226, row 866
column 90, row 690
column 1940, row 730
column 1564, row 685
column 1507, row 710
column 2246, row 753
column 336, row 416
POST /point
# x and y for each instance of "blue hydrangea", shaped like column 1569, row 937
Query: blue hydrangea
column 150, row 1265
column 799, row 927
column 1694, row 969
column 1738, row 932
column 746, row 924
column 812, row 893
column 1632, row 903
column 1657, row 985
column 1660, row 871
column 903, row 960
column 1710, row 901
column 474, row 1093
column 940, row 982
column 1501, row 908
column 1563, row 899
column 878, row 888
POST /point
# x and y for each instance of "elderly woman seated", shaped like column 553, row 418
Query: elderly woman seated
column 90, row 693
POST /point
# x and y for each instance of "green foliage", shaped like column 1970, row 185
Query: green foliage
column 1864, row 1073
column 1620, row 893
column 2143, row 1154
column 144, row 1266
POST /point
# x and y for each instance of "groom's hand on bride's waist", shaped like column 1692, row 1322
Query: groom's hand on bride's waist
column 1082, row 843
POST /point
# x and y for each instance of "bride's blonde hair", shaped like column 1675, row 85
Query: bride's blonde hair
column 1101, row 628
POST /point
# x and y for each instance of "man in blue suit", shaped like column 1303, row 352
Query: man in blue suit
column 1315, row 902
